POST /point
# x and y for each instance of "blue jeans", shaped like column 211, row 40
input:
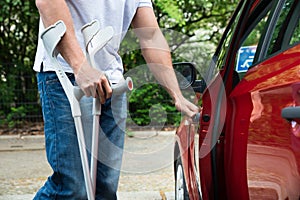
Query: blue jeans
column 67, row 181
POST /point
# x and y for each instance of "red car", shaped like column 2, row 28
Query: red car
column 246, row 143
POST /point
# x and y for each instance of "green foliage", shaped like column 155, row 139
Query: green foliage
column 151, row 105
column 18, row 38
column 14, row 118
column 19, row 26
column 172, row 10
column 192, row 15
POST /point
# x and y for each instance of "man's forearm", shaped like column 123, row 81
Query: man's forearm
column 160, row 63
column 155, row 50
column 51, row 12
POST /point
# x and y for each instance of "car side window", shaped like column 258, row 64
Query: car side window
column 295, row 26
column 296, row 34
column 218, row 59
column 287, row 29
column 245, row 55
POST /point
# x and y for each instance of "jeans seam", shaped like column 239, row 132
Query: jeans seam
column 55, row 163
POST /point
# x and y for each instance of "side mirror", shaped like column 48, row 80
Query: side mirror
column 185, row 73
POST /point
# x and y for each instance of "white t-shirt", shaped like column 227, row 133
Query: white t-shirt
column 115, row 13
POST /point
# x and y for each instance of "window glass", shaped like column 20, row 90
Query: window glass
column 219, row 58
column 281, row 27
column 247, row 50
column 223, row 51
column 296, row 32
column 296, row 35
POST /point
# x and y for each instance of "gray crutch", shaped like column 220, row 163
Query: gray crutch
column 51, row 37
column 95, row 39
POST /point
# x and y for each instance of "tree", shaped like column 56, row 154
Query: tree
column 18, row 38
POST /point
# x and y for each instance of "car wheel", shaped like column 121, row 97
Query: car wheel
column 181, row 192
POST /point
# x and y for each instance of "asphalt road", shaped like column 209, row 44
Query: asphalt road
column 147, row 171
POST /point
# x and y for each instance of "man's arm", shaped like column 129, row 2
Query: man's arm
column 51, row 12
column 156, row 52
column 91, row 81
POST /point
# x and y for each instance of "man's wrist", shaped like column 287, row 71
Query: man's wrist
column 77, row 65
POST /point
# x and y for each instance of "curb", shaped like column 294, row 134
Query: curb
column 145, row 195
column 149, row 134
column 22, row 143
column 37, row 142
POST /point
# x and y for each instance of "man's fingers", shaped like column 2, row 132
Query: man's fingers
column 103, row 90
column 187, row 107
column 193, row 107
column 100, row 93
column 190, row 113
column 107, row 88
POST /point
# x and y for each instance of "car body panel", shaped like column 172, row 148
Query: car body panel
column 272, row 153
column 185, row 149
column 186, row 146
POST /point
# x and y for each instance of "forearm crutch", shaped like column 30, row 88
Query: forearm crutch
column 95, row 39
column 51, row 37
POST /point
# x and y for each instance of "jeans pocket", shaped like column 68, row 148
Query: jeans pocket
column 40, row 85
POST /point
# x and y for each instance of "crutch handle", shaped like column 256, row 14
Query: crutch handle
column 124, row 85
column 78, row 93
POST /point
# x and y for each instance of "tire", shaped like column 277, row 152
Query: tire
column 181, row 192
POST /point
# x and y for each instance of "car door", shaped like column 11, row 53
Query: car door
column 214, row 110
column 262, row 149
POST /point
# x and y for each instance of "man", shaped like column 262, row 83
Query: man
column 61, row 144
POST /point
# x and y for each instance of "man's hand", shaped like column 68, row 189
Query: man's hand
column 186, row 107
column 93, row 82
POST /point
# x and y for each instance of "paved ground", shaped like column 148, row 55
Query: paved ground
column 147, row 171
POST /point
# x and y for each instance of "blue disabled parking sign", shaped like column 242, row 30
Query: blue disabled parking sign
column 245, row 58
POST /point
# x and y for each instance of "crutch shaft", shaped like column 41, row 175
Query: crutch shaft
column 84, row 158
column 94, row 152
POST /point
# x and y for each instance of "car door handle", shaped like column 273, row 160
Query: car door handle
column 291, row 113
